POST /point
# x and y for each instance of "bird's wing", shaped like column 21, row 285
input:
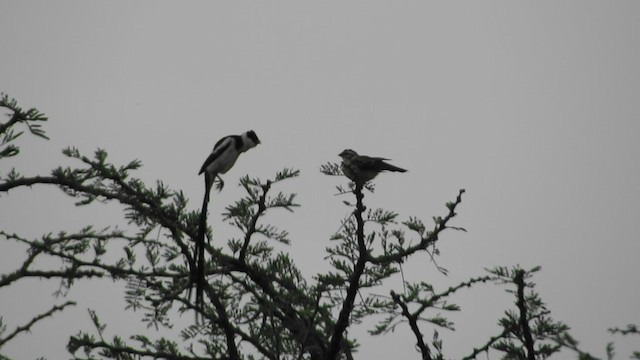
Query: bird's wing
column 367, row 162
column 218, row 149
column 221, row 141
column 376, row 163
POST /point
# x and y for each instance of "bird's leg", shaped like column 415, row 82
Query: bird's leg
column 220, row 183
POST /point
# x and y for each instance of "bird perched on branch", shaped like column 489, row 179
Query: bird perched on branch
column 362, row 168
column 224, row 155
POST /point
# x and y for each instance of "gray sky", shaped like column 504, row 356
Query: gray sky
column 531, row 107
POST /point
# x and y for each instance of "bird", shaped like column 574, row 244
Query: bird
column 224, row 155
column 362, row 168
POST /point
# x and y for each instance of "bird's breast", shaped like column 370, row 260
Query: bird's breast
column 224, row 162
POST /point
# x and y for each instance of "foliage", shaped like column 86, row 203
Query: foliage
column 257, row 303
column 30, row 118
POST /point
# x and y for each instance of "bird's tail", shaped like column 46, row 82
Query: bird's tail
column 390, row 167
column 198, row 274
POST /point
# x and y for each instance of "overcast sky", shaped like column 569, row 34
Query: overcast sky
column 532, row 107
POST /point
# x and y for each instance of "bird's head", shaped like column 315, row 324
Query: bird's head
column 251, row 135
column 348, row 154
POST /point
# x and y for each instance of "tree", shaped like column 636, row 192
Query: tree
column 257, row 304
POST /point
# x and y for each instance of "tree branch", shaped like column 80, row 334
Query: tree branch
column 354, row 281
column 223, row 321
column 262, row 207
column 76, row 343
column 431, row 237
column 524, row 322
column 486, row 346
column 130, row 198
column 28, row 326
column 413, row 323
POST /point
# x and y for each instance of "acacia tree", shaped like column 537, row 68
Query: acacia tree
column 257, row 303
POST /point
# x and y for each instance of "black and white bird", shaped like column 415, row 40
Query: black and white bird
column 224, row 156
column 362, row 168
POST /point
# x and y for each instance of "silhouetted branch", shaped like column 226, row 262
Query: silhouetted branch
column 413, row 324
column 27, row 327
column 262, row 207
column 630, row 329
column 430, row 238
column 524, row 322
column 117, row 349
column 223, row 322
column 488, row 345
column 341, row 325
column 73, row 268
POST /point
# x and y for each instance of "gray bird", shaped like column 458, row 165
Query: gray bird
column 362, row 168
